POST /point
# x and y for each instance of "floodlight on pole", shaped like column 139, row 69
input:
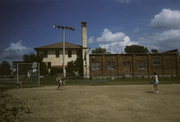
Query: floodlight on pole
column 63, row 28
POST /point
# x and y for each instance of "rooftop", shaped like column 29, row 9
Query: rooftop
column 59, row 45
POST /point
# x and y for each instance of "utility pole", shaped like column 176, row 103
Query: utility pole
column 64, row 28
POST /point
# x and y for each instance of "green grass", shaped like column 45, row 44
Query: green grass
column 135, row 81
column 121, row 82
column 50, row 81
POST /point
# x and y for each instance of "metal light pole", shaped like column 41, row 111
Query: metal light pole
column 64, row 39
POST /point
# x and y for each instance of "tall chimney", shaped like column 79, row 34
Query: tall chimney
column 84, row 34
column 85, row 55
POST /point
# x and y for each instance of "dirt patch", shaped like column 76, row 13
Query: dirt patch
column 127, row 103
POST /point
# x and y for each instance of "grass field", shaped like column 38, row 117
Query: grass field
column 100, row 103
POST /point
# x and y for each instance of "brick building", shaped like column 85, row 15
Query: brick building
column 134, row 65
column 166, row 64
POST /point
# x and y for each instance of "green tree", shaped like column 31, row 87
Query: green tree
column 75, row 68
column 79, row 66
column 5, row 68
column 32, row 58
column 70, row 69
column 36, row 58
column 136, row 49
column 154, row 51
column 100, row 50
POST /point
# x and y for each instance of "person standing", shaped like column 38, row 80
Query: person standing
column 156, row 82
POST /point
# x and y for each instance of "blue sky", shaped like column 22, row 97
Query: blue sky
column 112, row 24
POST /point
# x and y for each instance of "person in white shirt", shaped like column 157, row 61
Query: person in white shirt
column 60, row 83
column 156, row 82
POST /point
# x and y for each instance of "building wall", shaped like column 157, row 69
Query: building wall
column 58, row 61
column 133, row 65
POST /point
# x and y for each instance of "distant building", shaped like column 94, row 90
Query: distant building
column 134, row 65
column 53, row 53
column 101, row 66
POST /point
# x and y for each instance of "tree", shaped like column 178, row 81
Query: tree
column 36, row 58
column 70, row 69
column 5, row 68
column 100, row 50
column 154, row 51
column 79, row 66
column 136, row 49
column 32, row 58
column 75, row 68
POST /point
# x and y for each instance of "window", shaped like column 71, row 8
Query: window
column 111, row 65
column 57, row 53
column 126, row 64
column 156, row 61
column 69, row 53
column 45, row 53
column 141, row 65
column 49, row 64
column 95, row 66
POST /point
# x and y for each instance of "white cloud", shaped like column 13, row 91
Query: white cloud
column 169, row 21
column 117, row 47
column 163, row 41
column 166, row 19
column 108, row 36
column 15, row 51
column 114, row 42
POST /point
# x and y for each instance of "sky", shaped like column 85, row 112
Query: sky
column 111, row 24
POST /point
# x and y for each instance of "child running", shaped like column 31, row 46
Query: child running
column 60, row 83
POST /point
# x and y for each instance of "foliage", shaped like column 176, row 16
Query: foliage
column 75, row 68
column 70, row 69
column 32, row 58
column 5, row 68
column 79, row 66
column 36, row 58
column 43, row 68
column 136, row 49
column 154, row 51
column 100, row 50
